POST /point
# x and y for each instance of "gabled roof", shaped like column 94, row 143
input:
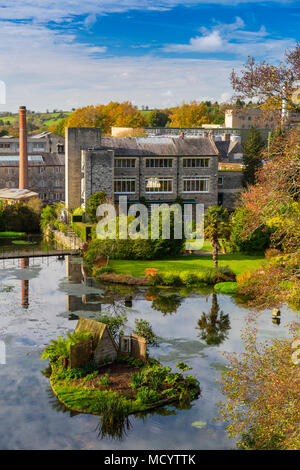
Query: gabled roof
column 160, row 146
column 228, row 147
column 96, row 328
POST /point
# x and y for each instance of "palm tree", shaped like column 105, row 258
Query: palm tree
column 214, row 326
column 217, row 226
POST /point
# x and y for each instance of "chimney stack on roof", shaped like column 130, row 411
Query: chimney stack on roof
column 23, row 165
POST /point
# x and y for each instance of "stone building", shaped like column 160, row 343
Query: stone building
column 180, row 167
column 245, row 118
column 48, row 142
column 46, row 174
column 185, row 168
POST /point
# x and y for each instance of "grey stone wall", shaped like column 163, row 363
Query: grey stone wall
column 231, row 187
column 177, row 172
column 97, row 173
column 76, row 140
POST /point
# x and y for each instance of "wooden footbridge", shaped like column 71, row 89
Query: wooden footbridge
column 35, row 253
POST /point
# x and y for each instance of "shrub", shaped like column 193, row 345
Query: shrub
column 226, row 287
column 146, row 396
column 115, row 323
column 272, row 252
column 144, row 329
column 150, row 272
column 104, row 380
column 60, row 348
column 258, row 241
column 104, row 269
column 92, row 204
column 188, row 278
column 171, row 279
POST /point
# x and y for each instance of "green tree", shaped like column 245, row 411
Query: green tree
column 217, row 226
column 144, row 329
column 252, row 158
column 157, row 118
column 92, row 204
column 257, row 241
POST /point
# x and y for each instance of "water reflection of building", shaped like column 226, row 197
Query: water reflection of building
column 87, row 302
column 25, row 284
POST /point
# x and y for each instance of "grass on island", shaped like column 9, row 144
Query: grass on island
column 237, row 262
column 13, row 234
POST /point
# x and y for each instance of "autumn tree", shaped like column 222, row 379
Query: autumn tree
column 268, row 83
column 262, row 391
column 252, row 159
column 106, row 116
column 274, row 202
column 191, row 115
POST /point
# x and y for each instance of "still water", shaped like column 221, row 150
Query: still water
column 41, row 300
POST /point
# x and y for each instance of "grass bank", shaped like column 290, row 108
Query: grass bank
column 237, row 262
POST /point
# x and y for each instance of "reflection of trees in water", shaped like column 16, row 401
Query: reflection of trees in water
column 214, row 325
column 113, row 428
column 166, row 303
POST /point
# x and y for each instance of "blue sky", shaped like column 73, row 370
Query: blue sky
column 64, row 54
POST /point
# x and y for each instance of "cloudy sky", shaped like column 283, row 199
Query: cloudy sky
column 69, row 53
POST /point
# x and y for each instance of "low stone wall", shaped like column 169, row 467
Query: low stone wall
column 67, row 241
column 64, row 240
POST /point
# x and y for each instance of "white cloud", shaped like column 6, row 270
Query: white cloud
column 208, row 43
column 235, row 39
column 45, row 70
column 58, row 10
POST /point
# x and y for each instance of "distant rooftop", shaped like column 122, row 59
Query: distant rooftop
column 15, row 194
column 15, row 158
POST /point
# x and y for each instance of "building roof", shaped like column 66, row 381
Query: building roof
column 17, row 194
column 148, row 146
column 228, row 147
column 40, row 159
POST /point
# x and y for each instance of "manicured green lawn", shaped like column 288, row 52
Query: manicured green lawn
column 239, row 263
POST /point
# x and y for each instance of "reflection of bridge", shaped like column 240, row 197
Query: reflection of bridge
column 37, row 253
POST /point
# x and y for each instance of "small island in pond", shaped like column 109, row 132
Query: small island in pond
column 91, row 374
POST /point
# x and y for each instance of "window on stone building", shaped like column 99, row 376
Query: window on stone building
column 220, row 182
column 124, row 185
column 124, row 162
column 195, row 162
column 38, row 145
column 195, row 185
column 165, row 185
column 57, row 169
column 159, row 162
column 42, row 169
column 4, row 146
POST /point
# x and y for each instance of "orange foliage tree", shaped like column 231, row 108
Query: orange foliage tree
column 191, row 115
column 262, row 389
column 106, row 116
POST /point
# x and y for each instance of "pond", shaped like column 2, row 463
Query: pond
column 42, row 299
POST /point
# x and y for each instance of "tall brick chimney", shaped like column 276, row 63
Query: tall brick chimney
column 23, row 165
